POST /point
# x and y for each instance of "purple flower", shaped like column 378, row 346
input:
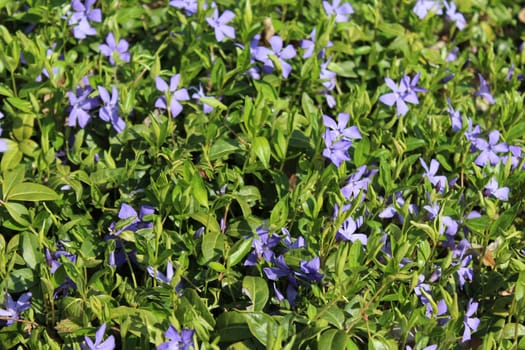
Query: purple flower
column 402, row 93
column 112, row 49
column 439, row 182
column 471, row 323
column 433, row 210
column 454, row 16
column 484, row 90
column 514, row 157
column 262, row 244
column 453, row 55
column 472, row 132
column 198, row 95
column 340, row 130
column 341, row 13
column 178, row 340
column 53, row 260
column 357, row 182
column 54, row 70
column 510, row 72
column 280, row 270
column 81, row 16
column 430, row 347
column 298, row 243
column 173, row 94
column 126, row 212
column 422, row 7
column 13, row 309
column 310, row 270
column 109, row 111
column 347, row 232
column 219, row 24
column 464, row 272
column 422, row 290
column 327, row 77
column 489, row 149
column 81, row 104
column 492, row 189
column 108, row 344
column 441, row 310
column 309, row 46
column 164, row 278
column 412, row 88
column 455, row 117
column 282, row 54
column 190, row 6
column 336, row 150
column 448, row 225
column 391, row 210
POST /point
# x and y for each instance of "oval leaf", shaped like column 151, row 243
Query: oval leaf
column 31, row 192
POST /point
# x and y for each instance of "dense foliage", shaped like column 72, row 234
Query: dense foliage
column 262, row 174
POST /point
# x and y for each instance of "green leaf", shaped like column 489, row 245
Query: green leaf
column 512, row 330
column 385, row 175
column 198, row 189
column 333, row 339
column 238, row 251
column 207, row 220
column 260, row 325
column 231, row 327
column 32, row 192
column 212, row 245
column 279, row 213
column 213, row 102
column 18, row 212
column 478, row 225
column 504, row 221
column 261, row 148
column 222, row 148
column 12, row 178
column 28, row 247
column 256, row 288
column 391, row 29
column 333, row 315
column 20, row 280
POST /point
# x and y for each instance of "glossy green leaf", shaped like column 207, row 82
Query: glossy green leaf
column 261, row 148
column 256, row 288
column 31, row 192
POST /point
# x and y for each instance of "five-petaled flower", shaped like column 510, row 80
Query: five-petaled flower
column 454, row 16
column 347, row 231
column 219, row 24
column 190, row 6
column 109, row 112
column 422, row 7
column 12, row 310
column 108, row 344
column 182, row 340
column 276, row 42
column 174, row 95
column 81, row 104
column 338, row 138
column 112, row 49
column 492, row 189
column 81, row 16
column 471, row 323
column 402, row 94
column 341, row 12
column 200, row 94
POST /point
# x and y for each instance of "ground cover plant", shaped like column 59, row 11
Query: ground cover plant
column 262, row 174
